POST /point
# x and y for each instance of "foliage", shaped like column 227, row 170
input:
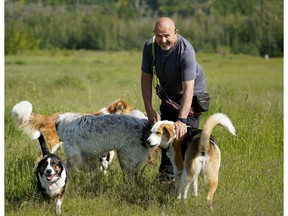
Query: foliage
column 251, row 27
column 243, row 87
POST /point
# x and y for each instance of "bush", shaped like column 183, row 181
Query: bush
column 61, row 26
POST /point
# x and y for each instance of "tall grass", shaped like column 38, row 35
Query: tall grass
column 248, row 89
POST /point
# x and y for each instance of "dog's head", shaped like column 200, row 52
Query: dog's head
column 49, row 169
column 120, row 107
column 117, row 107
column 162, row 134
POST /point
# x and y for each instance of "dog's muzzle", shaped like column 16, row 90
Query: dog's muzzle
column 48, row 172
column 49, row 175
column 149, row 143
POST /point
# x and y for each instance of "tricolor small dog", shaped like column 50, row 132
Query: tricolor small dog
column 51, row 176
column 193, row 154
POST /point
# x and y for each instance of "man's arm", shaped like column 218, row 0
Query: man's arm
column 186, row 102
column 146, row 88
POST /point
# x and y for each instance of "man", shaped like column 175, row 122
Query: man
column 181, row 77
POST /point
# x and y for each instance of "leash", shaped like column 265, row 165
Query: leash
column 156, row 83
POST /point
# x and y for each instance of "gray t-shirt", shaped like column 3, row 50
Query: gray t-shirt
column 174, row 66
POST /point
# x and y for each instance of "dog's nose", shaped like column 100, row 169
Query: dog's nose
column 49, row 171
column 148, row 142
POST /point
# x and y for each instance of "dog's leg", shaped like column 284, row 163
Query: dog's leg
column 73, row 154
column 195, row 185
column 212, row 181
column 186, row 182
column 93, row 163
column 211, row 172
column 178, row 185
column 195, row 172
column 110, row 156
column 74, row 161
column 59, row 201
column 130, row 159
column 126, row 163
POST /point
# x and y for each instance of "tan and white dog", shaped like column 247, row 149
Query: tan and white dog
column 193, row 154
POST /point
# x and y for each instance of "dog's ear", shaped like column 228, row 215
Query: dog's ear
column 120, row 106
column 112, row 108
column 168, row 131
column 126, row 106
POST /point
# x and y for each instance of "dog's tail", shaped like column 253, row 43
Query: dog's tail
column 43, row 145
column 23, row 118
column 211, row 123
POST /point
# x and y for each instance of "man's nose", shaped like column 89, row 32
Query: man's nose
column 163, row 40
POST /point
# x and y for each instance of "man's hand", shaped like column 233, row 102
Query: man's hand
column 180, row 129
column 153, row 116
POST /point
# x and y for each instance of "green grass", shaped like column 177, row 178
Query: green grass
column 248, row 89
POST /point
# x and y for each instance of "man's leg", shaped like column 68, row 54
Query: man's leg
column 166, row 168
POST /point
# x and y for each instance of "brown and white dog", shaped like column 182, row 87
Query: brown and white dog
column 33, row 124
column 51, row 176
column 194, row 153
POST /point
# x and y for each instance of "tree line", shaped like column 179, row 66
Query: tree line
column 252, row 27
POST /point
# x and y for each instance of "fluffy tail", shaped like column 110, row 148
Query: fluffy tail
column 43, row 145
column 211, row 123
column 21, row 114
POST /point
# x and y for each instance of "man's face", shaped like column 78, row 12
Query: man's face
column 166, row 37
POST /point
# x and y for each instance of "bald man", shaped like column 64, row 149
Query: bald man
column 179, row 74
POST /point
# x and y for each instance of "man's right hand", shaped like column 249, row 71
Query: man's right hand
column 153, row 116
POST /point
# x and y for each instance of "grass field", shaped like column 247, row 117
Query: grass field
column 248, row 89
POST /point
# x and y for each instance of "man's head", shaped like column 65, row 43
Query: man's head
column 166, row 33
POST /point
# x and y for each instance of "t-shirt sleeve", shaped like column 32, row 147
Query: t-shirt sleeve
column 188, row 65
column 146, row 66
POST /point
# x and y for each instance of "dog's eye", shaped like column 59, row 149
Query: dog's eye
column 52, row 163
column 158, row 132
column 55, row 163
